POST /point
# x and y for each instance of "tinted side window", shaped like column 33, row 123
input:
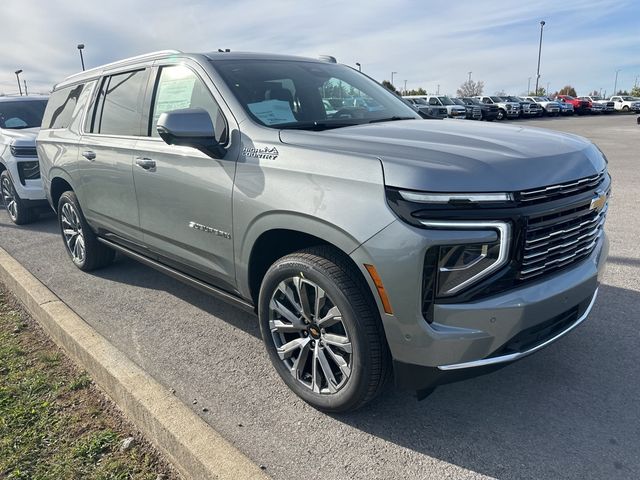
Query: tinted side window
column 119, row 107
column 179, row 87
column 60, row 107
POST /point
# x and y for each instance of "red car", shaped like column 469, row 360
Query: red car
column 579, row 106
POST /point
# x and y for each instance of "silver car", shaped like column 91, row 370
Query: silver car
column 371, row 243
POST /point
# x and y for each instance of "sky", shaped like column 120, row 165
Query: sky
column 428, row 43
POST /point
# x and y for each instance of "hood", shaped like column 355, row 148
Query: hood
column 25, row 137
column 456, row 156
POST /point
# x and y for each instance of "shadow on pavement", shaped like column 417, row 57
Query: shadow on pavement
column 570, row 411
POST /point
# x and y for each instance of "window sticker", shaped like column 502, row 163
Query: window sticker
column 174, row 94
column 272, row 112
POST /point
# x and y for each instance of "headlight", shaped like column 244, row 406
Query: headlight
column 462, row 265
column 424, row 197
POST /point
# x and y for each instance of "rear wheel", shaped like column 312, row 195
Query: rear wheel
column 18, row 212
column 322, row 331
column 82, row 245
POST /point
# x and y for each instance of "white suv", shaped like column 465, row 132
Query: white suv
column 20, row 183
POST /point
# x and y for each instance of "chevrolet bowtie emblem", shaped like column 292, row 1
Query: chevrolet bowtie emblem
column 598, row 202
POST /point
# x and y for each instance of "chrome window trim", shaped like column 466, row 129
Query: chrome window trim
column 515, row 356
column 504, row 234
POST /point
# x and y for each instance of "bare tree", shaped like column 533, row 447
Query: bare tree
column 470, row 89
column 501, row 93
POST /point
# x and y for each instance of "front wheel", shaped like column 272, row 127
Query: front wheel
column 501, row 114
column 322, row 331
column 82, row 245
column 18, row 212
column 625, row 109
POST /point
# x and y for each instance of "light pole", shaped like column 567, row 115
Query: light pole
column 359, row 66
column 529, row 86
column 539, row 54
column 80, row 48
column 18, row 72
column 438, row 92
column 405, row 87
column 615, row 85
column 470, row 76
column 547, row 90
column 26, row 93
column 392, row 74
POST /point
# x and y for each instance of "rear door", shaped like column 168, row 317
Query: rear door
column 107, row 149
column 184, row 195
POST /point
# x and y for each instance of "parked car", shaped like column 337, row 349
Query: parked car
column 454, row 111
column 423, row 107
column 549, row 107
column 581, row 107
column 625, row 103
column 489, row 112
column 474, row 112
column 505, row 109
column 566, row 109
column 368, row 242
column 527, row 109
column 608, row 106
column 20, row 183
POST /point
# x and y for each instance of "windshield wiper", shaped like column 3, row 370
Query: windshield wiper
column 391, row 119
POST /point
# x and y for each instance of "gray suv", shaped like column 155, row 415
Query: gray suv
column 371, row 243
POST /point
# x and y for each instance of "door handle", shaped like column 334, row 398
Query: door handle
column 146, row 163
column 89, row 155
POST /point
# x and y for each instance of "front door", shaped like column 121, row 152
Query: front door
column 184, row 195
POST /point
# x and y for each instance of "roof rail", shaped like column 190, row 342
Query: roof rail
column 123, row 61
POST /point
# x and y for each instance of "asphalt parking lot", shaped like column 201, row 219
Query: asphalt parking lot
column 571, row 411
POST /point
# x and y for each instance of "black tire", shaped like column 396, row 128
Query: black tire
column 18, row 212
column 625, row 108
column 96, row 255
column 343, row 285
column 502, row 114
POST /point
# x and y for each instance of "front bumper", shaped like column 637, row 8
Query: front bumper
column 465, row 339
column 29, row 190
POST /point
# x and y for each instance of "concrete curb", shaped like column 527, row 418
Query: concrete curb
column 191, row 445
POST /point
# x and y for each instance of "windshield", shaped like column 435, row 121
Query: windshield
column 568, row 97
column 22, row 114
column 496, row 99
column 511, row 99
column 474, row 101
column 446, row 101
column 595, row 99
column 295, row 94
column 419, row 101
column 457, row 101
column 628, row 99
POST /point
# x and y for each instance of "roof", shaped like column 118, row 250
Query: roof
column 214, row 56
column 24, row 98
column 257, row 56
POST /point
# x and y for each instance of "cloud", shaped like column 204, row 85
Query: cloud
column 428, row 43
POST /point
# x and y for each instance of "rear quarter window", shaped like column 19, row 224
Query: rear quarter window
column 62, row 103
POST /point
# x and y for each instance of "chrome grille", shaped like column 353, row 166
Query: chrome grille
column 557, row 240
column 560, row 190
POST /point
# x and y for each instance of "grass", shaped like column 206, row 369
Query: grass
column 54, row 423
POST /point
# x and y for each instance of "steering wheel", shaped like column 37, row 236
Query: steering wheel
column 351, row 112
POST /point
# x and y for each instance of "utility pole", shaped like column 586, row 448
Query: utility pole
column 405, row 87
column 529, row 86
column 80, row 48
column 542, row 23
column 470, row 76
column 392, row 74
column 438, row 93
column 615, row 85
column 547, row 90
column 26, row 93
column 18, row 72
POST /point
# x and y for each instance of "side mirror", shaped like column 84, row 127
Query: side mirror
column 190, row 127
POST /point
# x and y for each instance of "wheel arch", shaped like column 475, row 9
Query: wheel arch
column 269, row 240
column 60, row 183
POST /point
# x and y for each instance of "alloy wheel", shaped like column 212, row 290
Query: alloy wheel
column 9, row 199
column 310, row 336
column 72, row 232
